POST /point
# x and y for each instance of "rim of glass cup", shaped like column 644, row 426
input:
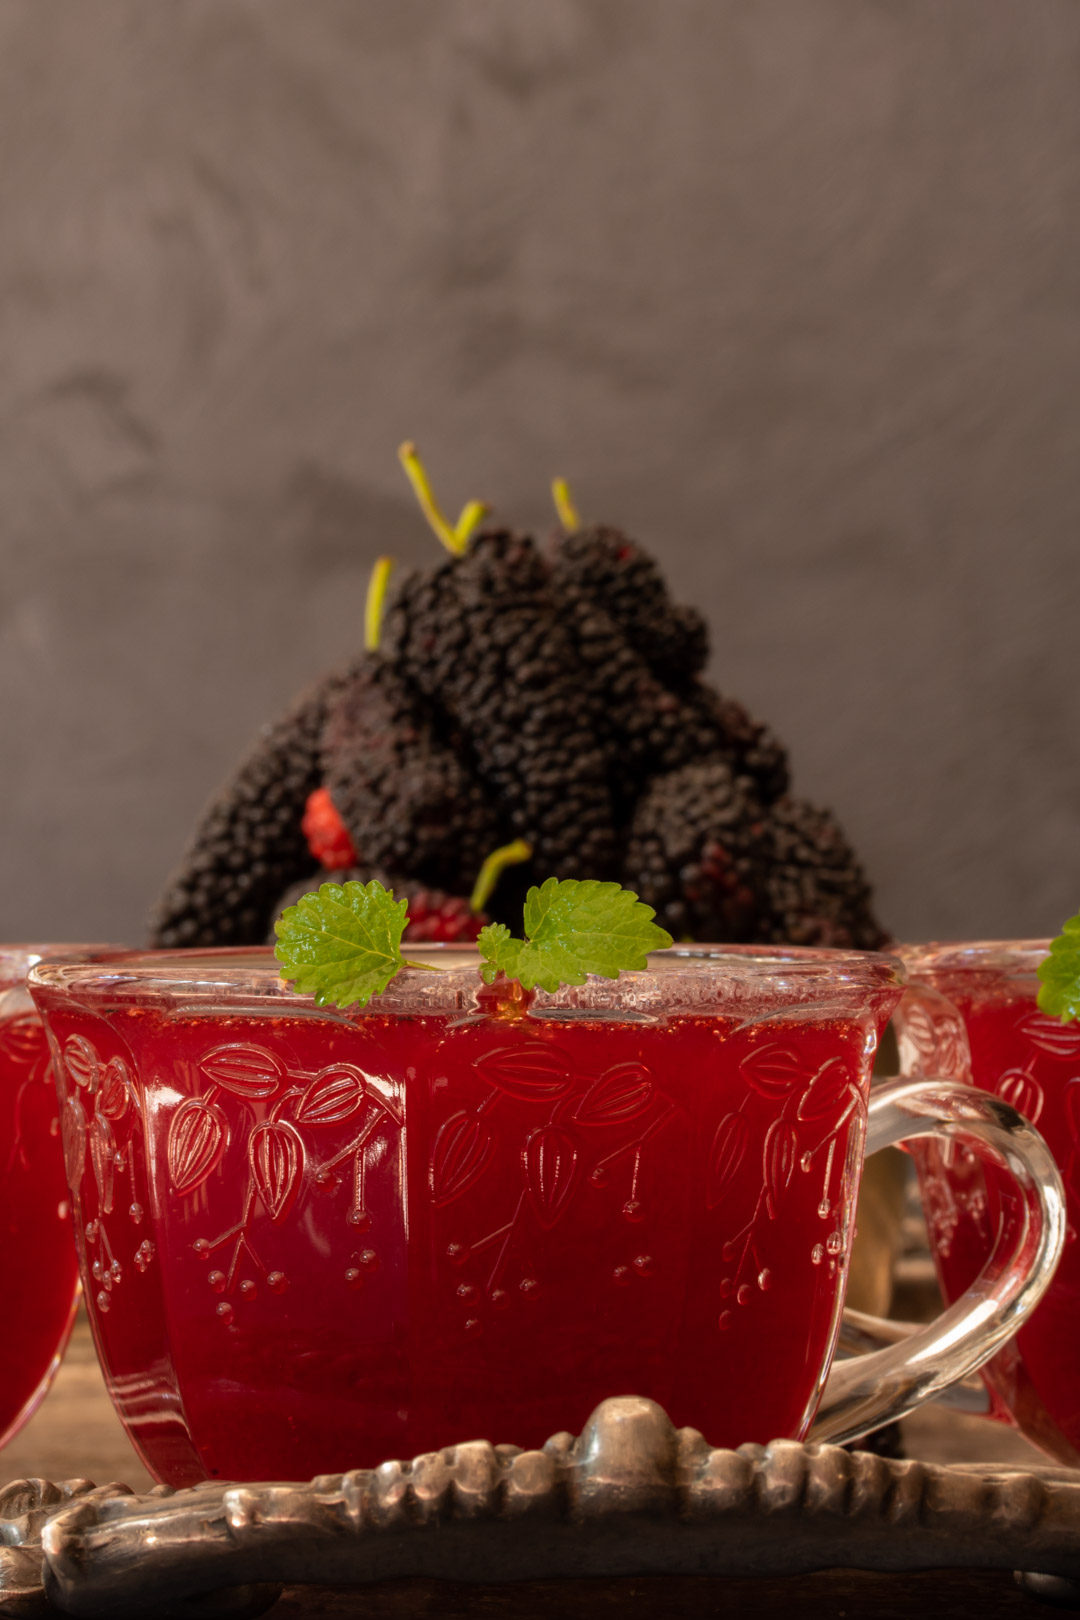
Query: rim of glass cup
column 1004, row 958
column 694, row 978
column 16, row 960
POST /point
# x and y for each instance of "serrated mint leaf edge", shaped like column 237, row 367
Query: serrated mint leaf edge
column 611, row 929
column 501, row 953
column 307, row 927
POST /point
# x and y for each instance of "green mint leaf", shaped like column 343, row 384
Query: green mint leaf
column 498, row 950
column 342, row 945
column 574, row 927
column 1059, row 990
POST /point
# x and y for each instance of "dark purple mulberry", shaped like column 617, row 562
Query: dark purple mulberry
column 487, row 643
column 752, row 748
column 249, row 844
column 407, row 797
column 626, row 583
column 692, row 852
column 813, row 890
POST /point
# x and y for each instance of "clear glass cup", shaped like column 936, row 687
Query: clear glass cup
column 312, row 1239
column 39, row 1276
column 971, row 1015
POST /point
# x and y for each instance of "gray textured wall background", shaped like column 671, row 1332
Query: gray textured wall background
column 790, row 287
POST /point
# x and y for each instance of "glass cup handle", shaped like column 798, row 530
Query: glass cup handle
column 909, row 1364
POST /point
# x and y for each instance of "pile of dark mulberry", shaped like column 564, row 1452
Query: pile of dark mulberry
column 545, row 697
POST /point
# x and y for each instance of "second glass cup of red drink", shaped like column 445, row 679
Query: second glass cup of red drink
column 971, row 1015
column 315, row 1239
column 39, row 1276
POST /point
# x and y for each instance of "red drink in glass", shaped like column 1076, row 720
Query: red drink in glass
column 38, row 1267
column 314, row 1239
column 989, row 1032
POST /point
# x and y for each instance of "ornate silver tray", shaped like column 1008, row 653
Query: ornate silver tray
column 631, row 1496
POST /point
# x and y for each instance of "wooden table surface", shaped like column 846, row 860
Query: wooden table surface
column 75, row 1433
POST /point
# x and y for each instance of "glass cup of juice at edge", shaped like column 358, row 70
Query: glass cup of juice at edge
column 38, row 1267
column 313, row 1239
column 971, row 1015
